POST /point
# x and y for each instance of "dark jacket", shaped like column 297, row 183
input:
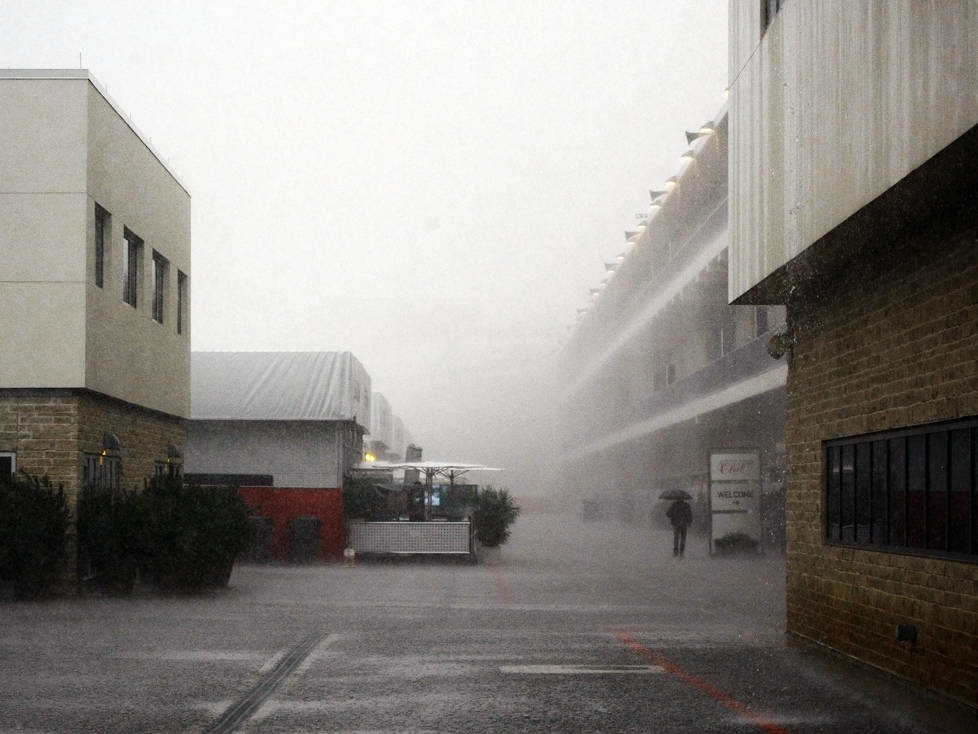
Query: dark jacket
column 680, row 514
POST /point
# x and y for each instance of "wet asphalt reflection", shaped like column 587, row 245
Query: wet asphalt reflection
column 571, row 627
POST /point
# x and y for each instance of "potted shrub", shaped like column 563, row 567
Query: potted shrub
column 495, row 510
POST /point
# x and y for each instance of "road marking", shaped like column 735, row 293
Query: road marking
column 272, row 661
column 241, row 711
column 701, row 685
column 581, row 669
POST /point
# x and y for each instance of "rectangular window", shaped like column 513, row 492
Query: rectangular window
column 728, row 332
column 769, row 9
column 131, row 256
column 102, row 235
column 103, row 471
column 162, row 469
column 182, row 295
column 8, row 463
column 160, row 271
column 911, row 489
column 760, row 320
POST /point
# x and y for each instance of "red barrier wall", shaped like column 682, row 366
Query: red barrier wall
column 284, row 503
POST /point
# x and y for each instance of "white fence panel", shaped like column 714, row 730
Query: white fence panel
column 410, row 537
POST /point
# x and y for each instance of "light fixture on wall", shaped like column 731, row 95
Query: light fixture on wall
column 110, row 442
column 781, row 342
column 705, row 129
column 173, row 452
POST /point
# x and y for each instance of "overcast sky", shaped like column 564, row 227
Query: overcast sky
column 432, row 185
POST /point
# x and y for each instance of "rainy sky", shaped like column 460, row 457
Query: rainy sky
column 432, row 185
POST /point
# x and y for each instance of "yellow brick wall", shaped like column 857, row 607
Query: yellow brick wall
column 893, row 344
column 51, row 430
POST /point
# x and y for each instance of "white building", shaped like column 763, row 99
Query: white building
column 94, row 287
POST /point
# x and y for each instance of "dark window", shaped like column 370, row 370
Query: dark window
column 863, row 479
column 101, row 237
column 760, row 320
column 848, row 501
column 878, row 493
column 769, row 9
column 181, row 302
column 897, row 482
column 163, row 469
column 728, row 332
column 917, row 491
column 160, row 269
column 833, row 492
column 131, row 255
column 911, row 489
column 8, row 463
column 959, row 500
column 103, row 471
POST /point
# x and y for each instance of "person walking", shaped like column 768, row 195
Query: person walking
column 681, row 516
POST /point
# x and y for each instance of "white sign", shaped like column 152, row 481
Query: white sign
column 735, row 496
column 739, row 467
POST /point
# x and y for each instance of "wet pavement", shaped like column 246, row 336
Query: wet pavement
column 571, row 627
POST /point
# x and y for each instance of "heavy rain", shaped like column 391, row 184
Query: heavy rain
column 451, row 366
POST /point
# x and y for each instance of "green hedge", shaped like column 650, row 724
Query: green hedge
column 33, row 527
column 495, row 510
column 179, row 537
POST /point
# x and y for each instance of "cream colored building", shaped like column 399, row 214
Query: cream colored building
column 94, row 287
column 853, row 171
column 660, row 369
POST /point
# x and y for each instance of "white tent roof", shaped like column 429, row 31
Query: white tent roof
column 279, row 386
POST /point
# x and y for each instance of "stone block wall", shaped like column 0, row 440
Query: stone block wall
column 41, row 426
column 52, row 430
column 891, row 344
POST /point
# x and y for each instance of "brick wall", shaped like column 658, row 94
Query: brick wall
column 144, row 434
column 51, row 430
column 893, row 344
column 42, row 428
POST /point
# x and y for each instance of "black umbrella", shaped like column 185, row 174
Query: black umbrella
column 675, row 494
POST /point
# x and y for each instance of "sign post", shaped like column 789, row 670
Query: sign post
column 735, row 498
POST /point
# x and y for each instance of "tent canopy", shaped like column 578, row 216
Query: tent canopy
column 279, row 386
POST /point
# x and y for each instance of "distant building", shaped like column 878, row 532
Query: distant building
column 94, row 288
column 286, row 428
column 380, row 441
column 400, row 440
column 854, row 167
column 659, row 369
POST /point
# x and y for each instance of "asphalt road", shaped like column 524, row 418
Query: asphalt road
column 571, row 627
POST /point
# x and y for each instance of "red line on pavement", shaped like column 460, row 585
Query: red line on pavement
column 701, row 685
column 502, row 588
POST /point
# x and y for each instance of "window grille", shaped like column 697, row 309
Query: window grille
column 103, row 471
column 907, row 490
